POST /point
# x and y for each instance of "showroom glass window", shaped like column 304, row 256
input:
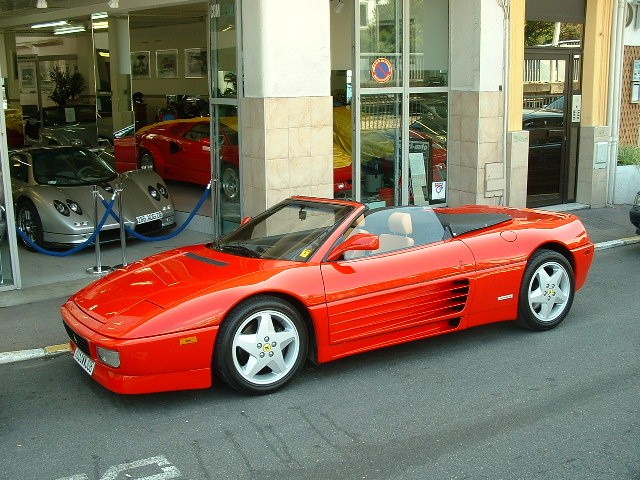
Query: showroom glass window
column 402, row 102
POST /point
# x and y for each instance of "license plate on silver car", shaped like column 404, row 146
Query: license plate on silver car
column 149, row 217
column 84, row 361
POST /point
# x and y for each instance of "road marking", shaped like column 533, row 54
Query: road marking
column 167, row 470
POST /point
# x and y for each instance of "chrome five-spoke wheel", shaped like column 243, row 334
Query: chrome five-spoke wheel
column 261, row 345
column 547, row 290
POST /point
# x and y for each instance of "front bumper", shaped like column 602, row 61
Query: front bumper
column 166, row 362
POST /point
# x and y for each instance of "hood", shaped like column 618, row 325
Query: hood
column 126, row 298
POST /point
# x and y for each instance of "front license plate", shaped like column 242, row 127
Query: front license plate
column 84, row 361
column 149, row 217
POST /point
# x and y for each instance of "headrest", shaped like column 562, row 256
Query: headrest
column 400, row 223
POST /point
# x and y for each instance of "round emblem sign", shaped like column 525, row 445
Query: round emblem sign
column 381, row 70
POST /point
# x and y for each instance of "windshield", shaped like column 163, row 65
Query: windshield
column 68, row 114
column 291, row 230
column 70, row 166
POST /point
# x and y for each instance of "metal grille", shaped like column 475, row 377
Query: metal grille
column 81, row 342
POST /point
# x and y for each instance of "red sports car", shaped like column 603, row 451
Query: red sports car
column 180, row 150
column 322, row 279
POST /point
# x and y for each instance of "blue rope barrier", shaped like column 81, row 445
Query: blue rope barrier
column 179, row 230
column 77, row 248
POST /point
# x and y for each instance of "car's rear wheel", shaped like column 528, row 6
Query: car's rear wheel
column 261, row 345
column 547, row 291
column 146, row 161
column 230, row 182
column 29, row 222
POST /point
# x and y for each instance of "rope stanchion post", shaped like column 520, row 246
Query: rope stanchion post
column 123, row 235
column 98, row 268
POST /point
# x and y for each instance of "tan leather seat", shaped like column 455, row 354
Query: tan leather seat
column 401, row 227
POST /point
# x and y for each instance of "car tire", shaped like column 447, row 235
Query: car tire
column 261, row 345
column 29, row 222
column 147, row 161
column 547, row 291
column 230, row 178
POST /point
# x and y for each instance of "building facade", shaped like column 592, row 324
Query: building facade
column 432, row 102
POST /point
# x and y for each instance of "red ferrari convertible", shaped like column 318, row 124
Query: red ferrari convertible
column 322, row 279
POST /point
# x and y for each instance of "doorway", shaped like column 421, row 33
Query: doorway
column 551, row 115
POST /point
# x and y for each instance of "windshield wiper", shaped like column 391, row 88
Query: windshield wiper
column 239, row 249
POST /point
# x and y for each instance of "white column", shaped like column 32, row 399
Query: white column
column 287, row 143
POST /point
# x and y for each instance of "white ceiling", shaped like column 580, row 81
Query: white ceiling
column 18, row 15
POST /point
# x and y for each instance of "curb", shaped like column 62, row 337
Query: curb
column 617, row 243
column 54, row 350
column 20, row 355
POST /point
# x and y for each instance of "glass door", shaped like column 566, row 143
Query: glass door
column 225, row 137
column 551, row 115
column 401, row 102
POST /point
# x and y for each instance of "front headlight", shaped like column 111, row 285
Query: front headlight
column 109, row 357
column 61, row 208
column 153, row 192
column 75, row 208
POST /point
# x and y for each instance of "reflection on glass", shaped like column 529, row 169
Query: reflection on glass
column 429, row 43
column 428, row 114
column 224, row 112
column 380, row 139
column 381, row 44
column 6, row 271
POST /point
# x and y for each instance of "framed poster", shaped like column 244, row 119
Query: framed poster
column 167, row 63
column 195, row 62
column 27, row 77
column 140, row 65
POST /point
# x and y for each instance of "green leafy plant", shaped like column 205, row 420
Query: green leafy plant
column 629, row 155
column 68, row 86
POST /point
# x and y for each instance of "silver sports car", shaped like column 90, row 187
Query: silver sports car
column 54, row 203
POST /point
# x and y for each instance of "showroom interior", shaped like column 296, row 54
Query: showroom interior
column 431, row 109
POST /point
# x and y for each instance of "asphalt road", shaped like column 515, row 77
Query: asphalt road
column 495, row 402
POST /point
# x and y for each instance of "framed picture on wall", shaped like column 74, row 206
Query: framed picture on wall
column 195, row 62
column 167, row 63
column 140, row 65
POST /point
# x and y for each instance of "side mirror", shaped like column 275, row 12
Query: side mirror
column 359, row 241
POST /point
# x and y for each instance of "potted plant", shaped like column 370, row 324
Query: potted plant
column 627, row 177
column 67, row 86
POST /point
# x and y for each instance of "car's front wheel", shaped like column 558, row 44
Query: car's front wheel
column 230, row 182
column 547, row 291
column 29, row 222
column 261, row 345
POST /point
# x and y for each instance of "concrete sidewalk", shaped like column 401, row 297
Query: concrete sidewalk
column 31, row 326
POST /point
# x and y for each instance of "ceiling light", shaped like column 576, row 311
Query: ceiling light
column 100, row 25
column 70, row 29
column 49, row 24
column 113, row 3
column 41, row 4
column 99, row 15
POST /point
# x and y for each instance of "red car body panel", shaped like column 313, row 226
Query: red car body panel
column 163, row 313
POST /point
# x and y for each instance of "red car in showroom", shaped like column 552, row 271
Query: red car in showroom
column 181, row 150
column 322, row 279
